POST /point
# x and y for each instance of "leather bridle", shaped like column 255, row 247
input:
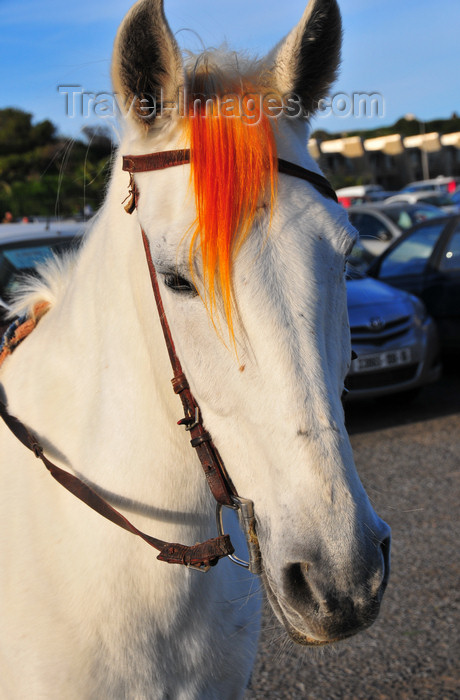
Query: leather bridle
column 214, row 469
column 206, row 554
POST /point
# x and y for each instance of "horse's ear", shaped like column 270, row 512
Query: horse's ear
column 307, row 60
column 146, row 65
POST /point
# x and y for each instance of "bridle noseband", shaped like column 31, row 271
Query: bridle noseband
column 202, row 555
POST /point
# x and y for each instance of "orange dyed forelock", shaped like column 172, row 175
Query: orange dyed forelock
column 233, row 165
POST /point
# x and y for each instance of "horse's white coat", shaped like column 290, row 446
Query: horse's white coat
column 87, row 613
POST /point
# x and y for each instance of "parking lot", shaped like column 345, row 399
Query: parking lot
column 408, row 457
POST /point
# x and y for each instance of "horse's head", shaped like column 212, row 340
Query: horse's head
column 251, row 267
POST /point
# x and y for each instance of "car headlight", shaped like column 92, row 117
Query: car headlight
column 420, row 312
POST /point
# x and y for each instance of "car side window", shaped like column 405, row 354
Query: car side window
column 370, row 227
column 450, row 259
column 410, row 257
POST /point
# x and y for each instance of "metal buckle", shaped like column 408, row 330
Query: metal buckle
column 245, row 509
column 196, row 421
column 189, row 422
column 202, row 568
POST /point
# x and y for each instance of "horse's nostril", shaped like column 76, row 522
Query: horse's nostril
column 301, row 586
column 338, row 603
column 294, row 576
column 297, row 581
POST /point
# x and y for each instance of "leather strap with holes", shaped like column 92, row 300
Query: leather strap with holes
column 218, row 480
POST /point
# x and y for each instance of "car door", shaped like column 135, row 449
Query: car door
column 442, row 288
column 371, row 226
column 374, row 232
column 406, row 263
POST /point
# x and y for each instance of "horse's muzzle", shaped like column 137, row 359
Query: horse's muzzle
column 316, row 609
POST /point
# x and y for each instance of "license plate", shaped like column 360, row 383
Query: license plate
column 383, row 360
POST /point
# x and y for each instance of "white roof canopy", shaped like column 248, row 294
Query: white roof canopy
column 426, row 142
column 351, row 147
column 391, row 145
column 451, row 139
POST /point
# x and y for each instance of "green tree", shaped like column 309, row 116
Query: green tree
column 44, row 174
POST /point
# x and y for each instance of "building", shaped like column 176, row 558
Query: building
column 390, row 160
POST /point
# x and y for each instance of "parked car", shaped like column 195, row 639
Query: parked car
column 395, row 340
column 437, row 184
column 379, row 224
column 425, row 261
column 442, row 200
column 358, row 194
column 24, row 246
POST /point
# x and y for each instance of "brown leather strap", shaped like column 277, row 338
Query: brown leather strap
column 208, row 553
column 216, row 475
column 218, row 480
column 156, row 161
column 169, row 159
column 201, row 555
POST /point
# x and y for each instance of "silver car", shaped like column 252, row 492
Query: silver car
column 379, row 223
column 395, row 340
column 442, row 200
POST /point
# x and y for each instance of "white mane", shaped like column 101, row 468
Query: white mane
column 49, row 285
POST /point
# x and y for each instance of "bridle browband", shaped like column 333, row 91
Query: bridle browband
column 206, row 554
column 169, row 159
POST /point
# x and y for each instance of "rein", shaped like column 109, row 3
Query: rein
column 202, row 555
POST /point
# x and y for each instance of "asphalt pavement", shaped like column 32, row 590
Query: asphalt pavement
column 408, row 457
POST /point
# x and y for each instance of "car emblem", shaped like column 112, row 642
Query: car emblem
column 376, row 324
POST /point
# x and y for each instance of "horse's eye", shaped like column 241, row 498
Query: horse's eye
column 179, row 284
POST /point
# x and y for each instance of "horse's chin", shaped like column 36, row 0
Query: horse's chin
column 296, row 636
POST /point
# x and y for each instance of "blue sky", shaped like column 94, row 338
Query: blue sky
column 406, row 51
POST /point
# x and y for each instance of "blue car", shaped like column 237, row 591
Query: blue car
column 425, row 261
column 395, row 340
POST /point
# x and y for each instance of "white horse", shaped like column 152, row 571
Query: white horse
column 260, row 326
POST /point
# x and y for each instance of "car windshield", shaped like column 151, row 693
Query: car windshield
column 407, row 217
column 411, row 255
column 20, row 259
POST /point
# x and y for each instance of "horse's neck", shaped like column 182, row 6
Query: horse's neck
column 101, row 392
